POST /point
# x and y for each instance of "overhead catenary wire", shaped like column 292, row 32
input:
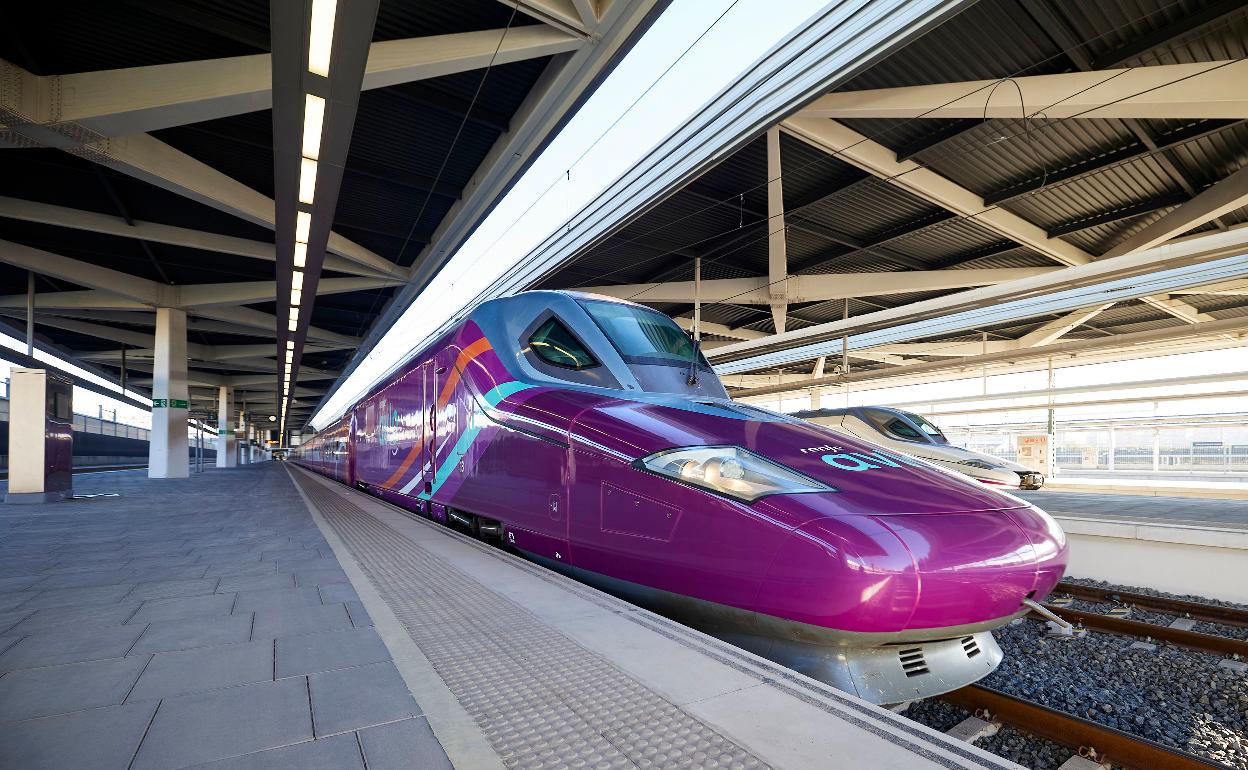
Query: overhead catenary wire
column 420, row 214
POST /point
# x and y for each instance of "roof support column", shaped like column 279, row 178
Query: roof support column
column 227, row 451
column 816, row 401
column 169, row 449
column 241, row 435
column 777, row 252
column 30, row 313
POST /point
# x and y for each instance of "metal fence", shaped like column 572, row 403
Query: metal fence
column 85, row 423
column 1212, row 449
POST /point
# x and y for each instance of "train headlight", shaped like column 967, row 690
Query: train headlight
column 731, row 471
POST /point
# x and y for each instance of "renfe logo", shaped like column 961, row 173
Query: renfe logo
column 810, row 449
column 862, row 461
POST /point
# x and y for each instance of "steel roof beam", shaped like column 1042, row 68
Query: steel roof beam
column 776, row 288
column 1105, row 160
column 564, row 15
column 144, row 157
column 133, row 288
column 100, row 331
column 1224, row 196
column 153, row 294
column 1061, row 33
column 70, row 300
column 248, row 292
column 1196, row 90
column 817, row 288
column 91, row 221
column 1060, row 291
column 1186, row 23
column 720, row 330
column 1117, row 214
column 144, row 317
column 1070, row 348
column 1048, row 333
column 852, row 147
column 874, row 244
column 207, row 353
column 70, row 110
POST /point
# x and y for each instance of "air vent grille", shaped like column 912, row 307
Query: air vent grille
column 970, row 646
column 912, row 661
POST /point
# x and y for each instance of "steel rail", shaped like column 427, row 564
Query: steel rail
column 1230, row 616
column 1221, row 645
column 1087, row 737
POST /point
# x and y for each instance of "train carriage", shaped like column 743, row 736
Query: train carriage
column 591, row 435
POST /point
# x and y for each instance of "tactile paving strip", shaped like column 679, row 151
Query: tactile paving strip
column 542, row 700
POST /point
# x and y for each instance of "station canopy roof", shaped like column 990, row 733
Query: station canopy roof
column 971, row 184
column 137, row 155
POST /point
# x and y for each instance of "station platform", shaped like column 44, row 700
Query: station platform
column 1222, row 512
column 264, row 617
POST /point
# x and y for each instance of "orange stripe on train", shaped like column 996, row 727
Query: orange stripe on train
column 465, row 357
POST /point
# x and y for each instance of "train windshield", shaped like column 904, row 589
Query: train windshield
column 642, row 336
column 928, row 428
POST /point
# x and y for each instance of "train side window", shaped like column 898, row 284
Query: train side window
column 555, row 344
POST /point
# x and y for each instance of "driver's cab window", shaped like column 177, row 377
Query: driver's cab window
column 903, row 430
column 553, row 343
column 892, row 425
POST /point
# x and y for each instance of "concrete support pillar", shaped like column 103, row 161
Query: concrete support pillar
column 1113, row 446
column 1156, row 450
column 240, row 427
column 227, row 445
column 240, row 449
column 169, row 449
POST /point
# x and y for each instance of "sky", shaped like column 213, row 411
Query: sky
column 558, row 184
column 85, row 401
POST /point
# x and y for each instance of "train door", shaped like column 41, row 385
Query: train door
column 353, row 448
column 429, row 424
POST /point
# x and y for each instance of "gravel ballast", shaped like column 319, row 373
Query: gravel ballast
column 1176, row 697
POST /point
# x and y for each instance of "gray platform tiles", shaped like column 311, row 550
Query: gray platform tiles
column 556, row 674
column 192, row 622
column 1183, row 510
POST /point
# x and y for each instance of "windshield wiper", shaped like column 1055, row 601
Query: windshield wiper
column 691, row 378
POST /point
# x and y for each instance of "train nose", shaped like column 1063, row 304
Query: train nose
column 881, row 574
column 848, row 573
column 978, row 566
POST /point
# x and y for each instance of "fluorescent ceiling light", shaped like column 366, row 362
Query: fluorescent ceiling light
column 303, row 223
column 313, row 120
column 294, row 314
column 295, row 296
column 301, row 254
column 296, row 280
column 294, row 324
column 307, row 180
column 290, row 344
column 321, row 36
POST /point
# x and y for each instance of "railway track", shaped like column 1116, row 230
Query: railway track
column 1096, row 742
column 1195, row 640
column 1231, row 616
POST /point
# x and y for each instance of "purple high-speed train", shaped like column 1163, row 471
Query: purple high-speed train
column 589, row 434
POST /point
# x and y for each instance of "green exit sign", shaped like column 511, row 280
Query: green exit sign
column 168, row 403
